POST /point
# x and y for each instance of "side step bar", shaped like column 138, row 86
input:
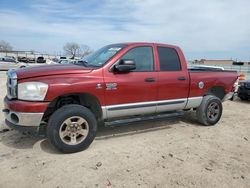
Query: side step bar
column 142, row 118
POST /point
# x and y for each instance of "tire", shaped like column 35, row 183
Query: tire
column 209, row 117
column 72, row 128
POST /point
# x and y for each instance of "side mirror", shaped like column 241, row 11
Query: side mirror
column 125, row 65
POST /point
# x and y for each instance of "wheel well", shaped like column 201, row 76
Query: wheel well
column 217, row 91
column 84, row 99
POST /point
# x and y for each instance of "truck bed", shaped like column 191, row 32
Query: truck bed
column 224, row 79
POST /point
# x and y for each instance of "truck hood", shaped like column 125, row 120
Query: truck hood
column 47, row 70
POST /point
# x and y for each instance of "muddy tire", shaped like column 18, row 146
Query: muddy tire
column 72, row 128
column 210, row 110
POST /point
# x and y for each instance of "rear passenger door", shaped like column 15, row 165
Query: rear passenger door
column 173, row 81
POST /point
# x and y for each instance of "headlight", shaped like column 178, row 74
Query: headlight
column 32, row 91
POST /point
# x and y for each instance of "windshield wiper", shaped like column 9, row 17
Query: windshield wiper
column 86, row 64
column 82, row 62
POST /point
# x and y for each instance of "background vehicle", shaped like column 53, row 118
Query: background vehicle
column 26, row 60
column 71, row 61
column 52, row 61
column 7, row 63
column 118, row 81
column 40, row 60
column 244, row 90
column 79, row 62
column 65, row 61
column 8, row 59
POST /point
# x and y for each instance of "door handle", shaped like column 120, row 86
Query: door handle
column 149, row 79
column 182, row 78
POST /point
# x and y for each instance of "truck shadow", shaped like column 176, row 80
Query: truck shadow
column 238, row 100
column 17, row 140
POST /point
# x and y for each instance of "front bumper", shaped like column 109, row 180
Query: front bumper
column 23, row 119
column 24, row 129
column 24, row 114
column 243, row 92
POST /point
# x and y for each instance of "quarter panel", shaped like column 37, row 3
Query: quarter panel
column 211, row 79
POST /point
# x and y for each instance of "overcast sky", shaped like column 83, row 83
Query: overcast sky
column 212, row 29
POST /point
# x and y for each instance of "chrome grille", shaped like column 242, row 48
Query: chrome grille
column 11, row 84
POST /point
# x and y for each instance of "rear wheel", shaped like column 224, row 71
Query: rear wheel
column 72, row 128
column 210, row 110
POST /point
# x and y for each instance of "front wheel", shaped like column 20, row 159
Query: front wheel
column 72, row 128
column 210, row 110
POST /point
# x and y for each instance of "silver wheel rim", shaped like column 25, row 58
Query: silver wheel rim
column 74, row 130
column 213, row 111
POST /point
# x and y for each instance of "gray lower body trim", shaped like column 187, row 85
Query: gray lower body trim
column 23, row 119
column 169, row 105
column 193, row 102
column 130, row 109
column 143, row 108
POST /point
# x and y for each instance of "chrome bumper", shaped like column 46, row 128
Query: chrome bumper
column 23, row 119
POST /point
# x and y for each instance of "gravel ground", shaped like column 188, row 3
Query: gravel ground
column 171, row 152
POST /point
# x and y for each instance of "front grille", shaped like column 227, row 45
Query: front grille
column 11, row 84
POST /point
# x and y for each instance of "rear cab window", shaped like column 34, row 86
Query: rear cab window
column 168, row 59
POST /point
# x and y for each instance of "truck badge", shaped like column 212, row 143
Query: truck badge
column 111, row 86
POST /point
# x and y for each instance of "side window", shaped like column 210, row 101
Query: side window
column 143, row 57
column 169, row 59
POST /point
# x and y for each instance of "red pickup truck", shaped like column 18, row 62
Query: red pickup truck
column 115, row 82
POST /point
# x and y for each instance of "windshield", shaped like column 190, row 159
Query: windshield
column 100, row 57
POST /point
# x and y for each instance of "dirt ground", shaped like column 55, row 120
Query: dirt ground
column 170, row 152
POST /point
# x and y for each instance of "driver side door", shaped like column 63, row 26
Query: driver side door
column 134, row 92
